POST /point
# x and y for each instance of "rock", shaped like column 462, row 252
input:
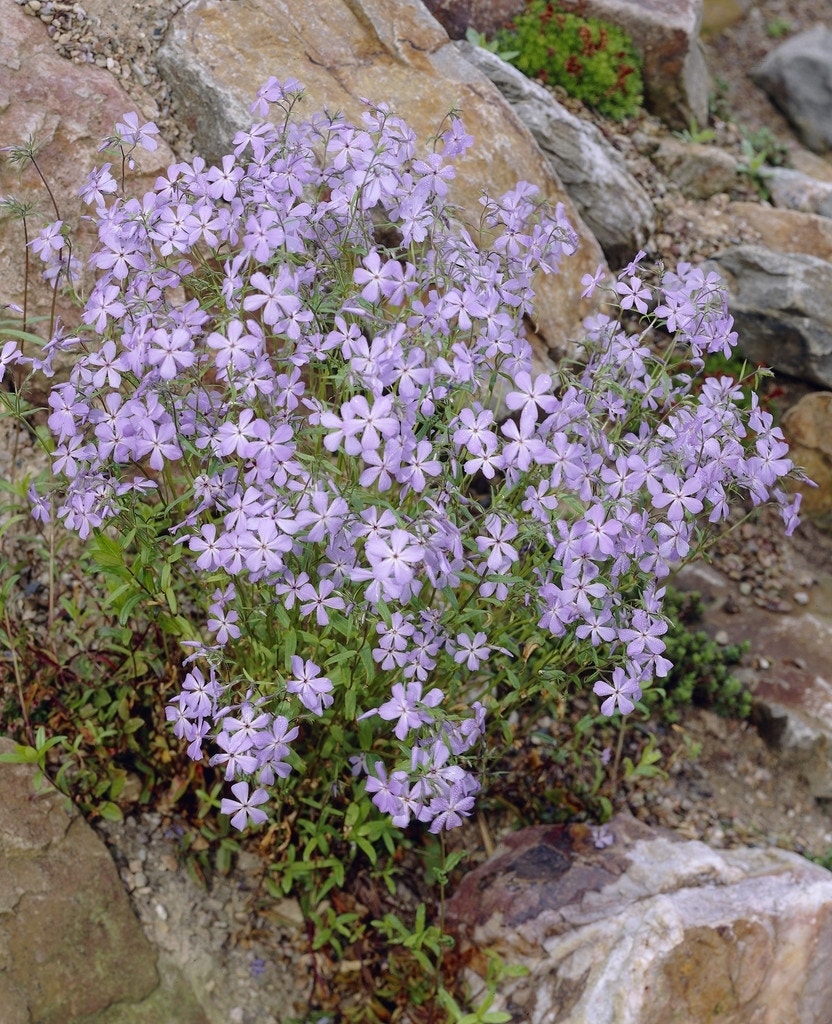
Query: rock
column 612, row 203
column 666, row 35
column 627, row 925
column 797, row 75
column 700, row 171
column 486, row 16
column 792, row 688
column 71, row 948
column 797, row 191
column 717, row 15
column 69, row 110
column 216, row 55
column 782, row 307
column 786, row 231
column 808, row 429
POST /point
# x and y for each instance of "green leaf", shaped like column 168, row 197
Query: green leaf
column 110, row 811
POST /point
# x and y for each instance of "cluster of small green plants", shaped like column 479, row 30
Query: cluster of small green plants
column 318, row 546
column 592, row 60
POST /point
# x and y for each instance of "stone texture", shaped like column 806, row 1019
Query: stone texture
column 647, row 929
column 700, row 171
column 486, row 16
column 612, row 203
column 717, row 15
column 792, row 688
column 68, row 109
column 71, row 948
column 782, row 306
column 794, row 190
column 808, row 429
column 797, row 75
column 666, row 35
column 216, row 55
column 786, row 231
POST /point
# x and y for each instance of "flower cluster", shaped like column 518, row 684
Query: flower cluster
column 320, row 373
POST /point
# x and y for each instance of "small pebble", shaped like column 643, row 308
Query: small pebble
column 161, row 912
column 722, row 638
column 801, row 597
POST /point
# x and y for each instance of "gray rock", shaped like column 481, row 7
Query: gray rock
column 612, row 203
column 627, row 925
column 700, row 171
column 794, row 190
column 71, row 948
column 797, row 75
column 782, row 306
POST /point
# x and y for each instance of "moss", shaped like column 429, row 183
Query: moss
column 592, row 60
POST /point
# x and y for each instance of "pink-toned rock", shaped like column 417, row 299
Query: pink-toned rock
column 216, row 55
column 486, row 16
column 792, row 685
column 666, row 35
column 628, row 925
column 68, row 110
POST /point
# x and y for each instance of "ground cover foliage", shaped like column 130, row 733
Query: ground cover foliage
column 336, row 545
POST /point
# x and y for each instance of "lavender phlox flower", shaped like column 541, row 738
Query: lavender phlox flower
column 199, row 694
column 387, row 791
column 473, row 651
column 236, row 762
column 451, row 807
column 642, row 635
column 314, row 690
column 273, row 746
column 9, row 355
column 49, row 240
column 633, row 294
column 678, row 496
column 621, row 692
column 244, row 809
column 98, row 184
column 319, row 600
column 408, row 707
column 178, row 712
column 591, row 281
column 245, row 727
column 129, row 131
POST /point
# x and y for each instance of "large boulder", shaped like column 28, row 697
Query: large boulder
column 782, row 306
column 216, row 55
column 627, row 925
column 665, row 33
column 68, row 110
column 71, row 948
column 797, row 75
column 613, row 204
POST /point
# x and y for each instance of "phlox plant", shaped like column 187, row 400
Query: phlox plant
column 302, row 382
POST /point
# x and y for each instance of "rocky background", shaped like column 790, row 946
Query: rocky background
column 693, row 903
